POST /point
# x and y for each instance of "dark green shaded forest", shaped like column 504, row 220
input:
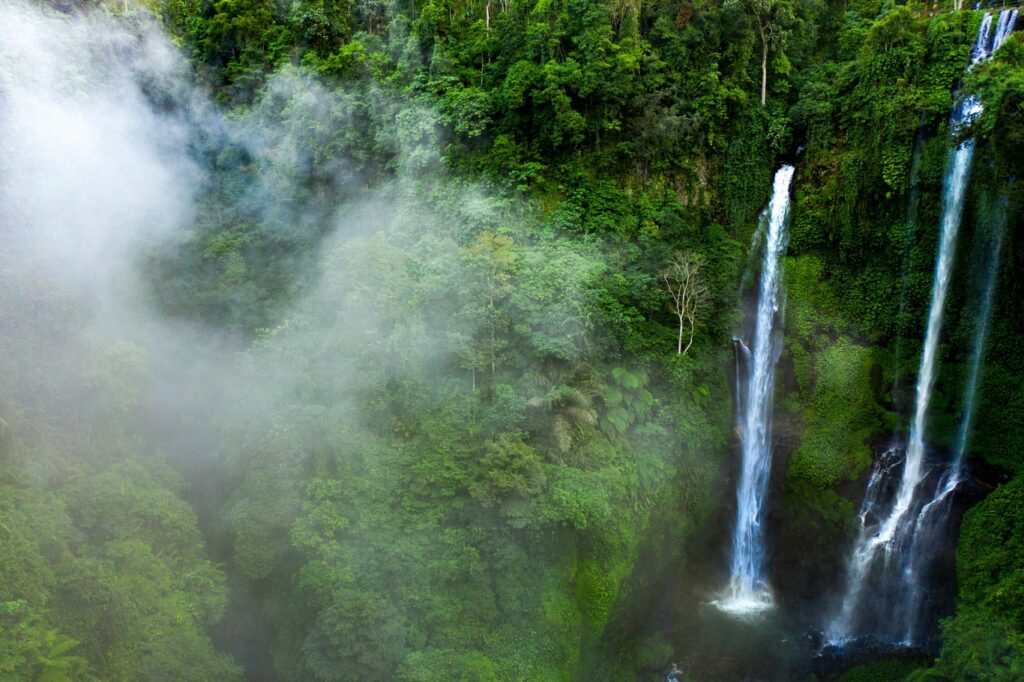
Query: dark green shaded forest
column 407, row 401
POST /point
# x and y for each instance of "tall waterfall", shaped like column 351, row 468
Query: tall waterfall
column 898, row 526
column 748, row 590
column 933, row 520
column 978, row 353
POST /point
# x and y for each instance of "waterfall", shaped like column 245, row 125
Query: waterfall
column 741, row 354
column 1007, row 20
column 748, row 590
column 980, row 334
column 888, row 554
column 933, row 519
column 908, row 241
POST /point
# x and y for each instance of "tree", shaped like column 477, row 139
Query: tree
column 773, row 17
column 688, row 298
column 568, row 397
column 491, row 262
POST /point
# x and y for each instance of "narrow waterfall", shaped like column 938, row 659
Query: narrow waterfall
column 887, row 562
column 933, row 519
column 748, row 590
column 978, row 353
column 1004, row 27
column 913, row 201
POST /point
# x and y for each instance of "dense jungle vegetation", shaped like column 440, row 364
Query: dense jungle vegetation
column 439, row 427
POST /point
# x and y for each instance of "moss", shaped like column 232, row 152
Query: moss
column 598, row 580
column 654, row 652
column 841, row 415
column 833, row 374
column 985, row 640
column 880, row 671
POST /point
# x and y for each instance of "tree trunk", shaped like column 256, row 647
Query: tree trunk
column 687, row 349
column 679, row 347
column 490, row 309
column 764, row 67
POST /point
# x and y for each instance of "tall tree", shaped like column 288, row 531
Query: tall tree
column 773, row 18
column 688, row 298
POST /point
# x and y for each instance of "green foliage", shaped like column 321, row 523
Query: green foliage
column 511, row 469
column 626, row 401
column 482, row 428
column 841, row 414
column 985, row 639
column 475, row 420
column 835, row 398
column 1000, row 83
column 880, row 671
column 104, row 578
column 240, row 39
column 103, row 570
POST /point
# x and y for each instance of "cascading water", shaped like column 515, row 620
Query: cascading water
column 887, row 560
column 933, row 520
column 748, row 590
column 980, row 334
column 1004, row 27
column 741, row 353
column 908, row 241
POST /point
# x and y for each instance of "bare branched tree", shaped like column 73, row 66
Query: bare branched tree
column 688, row 297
